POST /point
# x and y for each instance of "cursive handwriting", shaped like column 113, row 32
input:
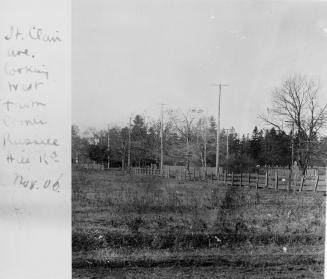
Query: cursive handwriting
column 39, row 34
column 31, row 147
column 20, row 86
column 19, row 52
column 9, row 105
column 28, row 158
column 31, row 183
column 9, row 140
column 9, row 121
column 27, row 69
column 14, row 33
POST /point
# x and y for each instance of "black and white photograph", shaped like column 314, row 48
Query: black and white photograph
column 163, row 139
column 198, row 139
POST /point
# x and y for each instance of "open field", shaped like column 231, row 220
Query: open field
column 150, row 227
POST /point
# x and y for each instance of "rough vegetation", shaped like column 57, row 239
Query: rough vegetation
column 148, row 222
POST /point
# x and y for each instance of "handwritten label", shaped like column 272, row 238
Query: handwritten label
column 29, row 80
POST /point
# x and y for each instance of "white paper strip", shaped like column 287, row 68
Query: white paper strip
column 35, row 101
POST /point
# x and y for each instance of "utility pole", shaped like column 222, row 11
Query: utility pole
column 292, row 155
column 292, row 141
column 108, row 146
column 205, row 147
column 218, row 128
column 227, row 146
column 129, row 145
column 161, row 141
column 292, row 158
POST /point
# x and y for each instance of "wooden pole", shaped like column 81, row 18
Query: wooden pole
column 249, row 181
column 161, row 140
column 276, row 180
column 301, row 185
column 108, row 146
column 129, row 144
column 257, row 184
column 232, row 179
column 266, row 183
column 241, row 179
column 289, row 180
column 218, row 134
column 316, row 184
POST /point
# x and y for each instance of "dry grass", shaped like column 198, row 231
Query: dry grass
column 148, row 215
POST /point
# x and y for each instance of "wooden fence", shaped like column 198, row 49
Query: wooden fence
column 88, row 166
column 256, row 180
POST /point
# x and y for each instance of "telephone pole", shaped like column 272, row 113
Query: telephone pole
column 292, row 140
column 108, row 146
column 218, row 128
column 129, row 145
column 161, row 140
column 227, row 146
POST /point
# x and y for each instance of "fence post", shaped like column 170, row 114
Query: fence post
column 266, row 182
column 249, row 181
column 232, row 179
column 302, row 182
column 194, row 174
column 276, row 180
column 257, row 182
column 241, row 180
column 225, row 178
column 316, row 184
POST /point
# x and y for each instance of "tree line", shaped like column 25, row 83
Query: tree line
column 191, row 144
column 296, row 117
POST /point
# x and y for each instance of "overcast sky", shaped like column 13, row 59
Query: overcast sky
column 131, row 55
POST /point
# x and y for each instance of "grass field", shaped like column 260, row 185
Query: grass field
column 149, row 227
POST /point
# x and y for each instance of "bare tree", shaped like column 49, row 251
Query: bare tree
column 184, row 124
column 296, row 102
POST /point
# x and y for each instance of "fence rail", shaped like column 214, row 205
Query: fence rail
column 88, row 166
column 268, row 180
